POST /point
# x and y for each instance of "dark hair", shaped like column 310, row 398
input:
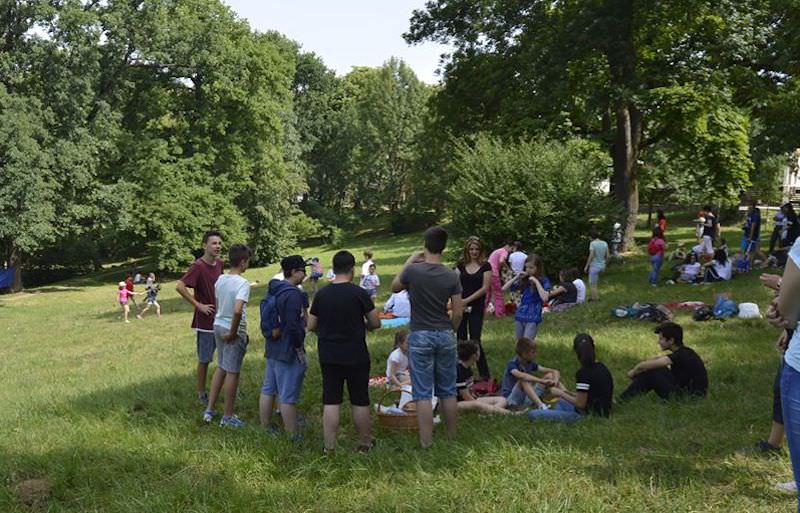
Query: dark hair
column 400, row 337
column 368, row 253
column 720, row 256
column 593, row 233
column 518, row 245
column 211, row 233
column 537, row 261
column 565, row 275
column 583, row 345
column 467, row 349
column 435, row 239
column 657, row 232
column 508, row 242
column 689, row 256
column 671, row 331
column 238, row 254
column 707, row 208
column 660, row 214
column 525, row 344
column 465, row 259
column 574, row 273
column 343, row 262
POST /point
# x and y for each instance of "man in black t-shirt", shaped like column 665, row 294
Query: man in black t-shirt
column 682, row 372
column 341, row 314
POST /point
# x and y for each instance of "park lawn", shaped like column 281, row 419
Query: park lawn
column 107, row 413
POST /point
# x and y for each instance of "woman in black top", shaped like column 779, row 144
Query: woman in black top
column 475, row 274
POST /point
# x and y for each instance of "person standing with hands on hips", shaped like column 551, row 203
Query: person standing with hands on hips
column 431, row 343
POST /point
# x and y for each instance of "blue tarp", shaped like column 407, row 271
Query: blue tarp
column 7, row 277
column 396, row 322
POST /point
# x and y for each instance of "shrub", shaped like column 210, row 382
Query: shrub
column 544, row 193
column 409, row 219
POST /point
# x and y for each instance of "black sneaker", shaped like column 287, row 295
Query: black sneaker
column 761, row 447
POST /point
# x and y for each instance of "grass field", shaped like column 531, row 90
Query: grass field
column 106, row 412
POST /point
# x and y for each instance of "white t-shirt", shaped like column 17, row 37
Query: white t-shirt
column 689, row 271
column 792, row 355
column 365, row 267
column 581, row 288
column 724, row 270
column 399, row 304
column 229, row 289
column 516, row 261
column 399, row 359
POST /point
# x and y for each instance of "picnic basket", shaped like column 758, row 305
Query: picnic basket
column 407, row 422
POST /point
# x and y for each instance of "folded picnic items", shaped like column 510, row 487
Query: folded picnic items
column 723, row 308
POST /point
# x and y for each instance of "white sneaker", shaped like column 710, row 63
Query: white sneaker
column 791, row 486
column 544, row 407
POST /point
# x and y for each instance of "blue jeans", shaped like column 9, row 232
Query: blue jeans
column 790, row 401
column 432, row 358
column 526, row 329
column 562, row 411
column 656, row 261
column 284, row 380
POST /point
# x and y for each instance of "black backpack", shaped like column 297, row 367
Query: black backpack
column 703, row 313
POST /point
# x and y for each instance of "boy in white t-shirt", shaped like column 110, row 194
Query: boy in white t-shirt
column 367, row 262
column 232, row 291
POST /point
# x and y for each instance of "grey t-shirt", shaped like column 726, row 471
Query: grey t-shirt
column 429, row 288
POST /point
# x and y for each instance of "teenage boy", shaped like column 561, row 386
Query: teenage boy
column 286, row 355
column 682, row 372
column 341, row 314
column 431, row 341
column 200, row 277
column 520, row 387
column 230, row 334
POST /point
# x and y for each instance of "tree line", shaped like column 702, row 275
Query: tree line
column 128, row 127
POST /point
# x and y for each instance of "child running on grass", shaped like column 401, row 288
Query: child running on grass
column 232, row 291
column 123, row 295
column 468, row 353
column 535, row 287
column 520, row 387
column 397, row 373
column 594, row 388
column 151, row 289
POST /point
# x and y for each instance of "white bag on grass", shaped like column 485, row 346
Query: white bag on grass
column 749, row 311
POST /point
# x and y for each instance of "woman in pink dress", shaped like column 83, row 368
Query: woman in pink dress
column 497, row 260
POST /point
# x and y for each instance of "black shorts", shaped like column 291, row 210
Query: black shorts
column 333, row 378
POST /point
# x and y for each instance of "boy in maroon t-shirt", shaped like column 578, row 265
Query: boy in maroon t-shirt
column 201, row 276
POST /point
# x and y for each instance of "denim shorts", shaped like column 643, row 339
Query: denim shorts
column 518, row 399
column 594, row 272
column 284, row 380
column 432, row 358
column 230, row 355
column 205, row 346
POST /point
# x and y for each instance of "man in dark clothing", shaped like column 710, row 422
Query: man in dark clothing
column 286, row 355
column 341, row 314
column 682, row 372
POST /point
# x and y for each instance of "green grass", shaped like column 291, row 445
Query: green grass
column 106, row 412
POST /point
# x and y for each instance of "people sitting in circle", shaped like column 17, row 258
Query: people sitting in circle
column 688, row 271
column 397, row 373
column 681, row 373
column 564, row 295
column 594, row 388
column 521, row 388
column 467, row 357
column 719, row 268
column 398, row 304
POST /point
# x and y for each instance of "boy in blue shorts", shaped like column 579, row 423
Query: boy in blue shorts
column 232, row 291
column 520, row 387
column 286, row 355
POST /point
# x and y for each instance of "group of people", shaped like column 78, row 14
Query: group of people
column 126, row 296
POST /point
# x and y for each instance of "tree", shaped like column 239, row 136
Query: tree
column 615, row 70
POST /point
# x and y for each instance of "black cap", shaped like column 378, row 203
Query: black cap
column 292, row 262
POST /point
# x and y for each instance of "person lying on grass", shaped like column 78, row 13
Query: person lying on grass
column 594, row 388
column 680, row 373
column 521, row 388
column 468, row 354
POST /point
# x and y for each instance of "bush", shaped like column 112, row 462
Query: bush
column 544, row 193
column 409, row 220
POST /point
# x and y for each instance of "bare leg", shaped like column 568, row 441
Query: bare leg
column 216, row 386
column 363, row 426
column 595, row 295
column 330, row 424
column 144, row 311
column 202, row 373
column 425, row 422
column 289, row 414
column 265, row 405
column 126, row 310
column 776, row 435
column 158, row 310
column 231, row 384
column 527, row 387
column 450, row 414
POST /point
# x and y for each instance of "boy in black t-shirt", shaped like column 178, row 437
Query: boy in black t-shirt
column 682, row 372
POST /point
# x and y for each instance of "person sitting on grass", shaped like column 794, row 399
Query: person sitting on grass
column 718, row 269
column 398, row 304
column 688, row 271
column 564, row 295
column 397, row 374
column 521, row 388
column 681, row 373
column 580, row 285
column 468, row 353
column 594, row 388
column 232, row 292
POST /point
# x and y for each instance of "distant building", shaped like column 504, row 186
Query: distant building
column 790, row 189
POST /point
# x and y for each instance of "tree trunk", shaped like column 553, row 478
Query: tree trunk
column 14, row 261
column 625, row 154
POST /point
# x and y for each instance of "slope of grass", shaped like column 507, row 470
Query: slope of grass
column 106, row 412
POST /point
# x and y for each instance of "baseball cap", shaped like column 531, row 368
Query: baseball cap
column 293, row 262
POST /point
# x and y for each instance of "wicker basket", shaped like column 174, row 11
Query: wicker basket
column 407, row 422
